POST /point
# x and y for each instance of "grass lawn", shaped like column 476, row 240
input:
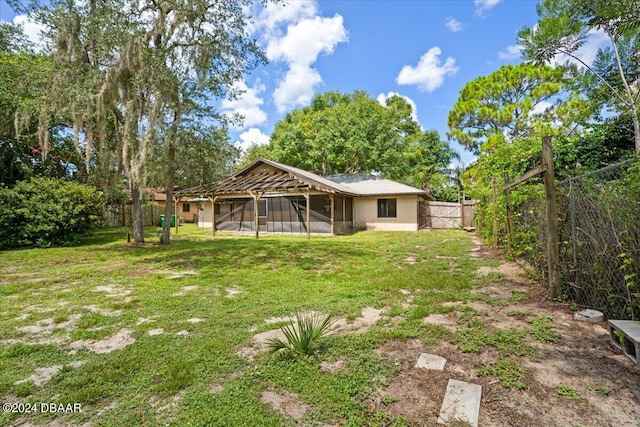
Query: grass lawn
column 153, row 335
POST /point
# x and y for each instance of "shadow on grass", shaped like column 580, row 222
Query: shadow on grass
column 197, row 251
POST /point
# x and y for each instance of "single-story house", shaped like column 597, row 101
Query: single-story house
column 267, row 196
column 185, row 207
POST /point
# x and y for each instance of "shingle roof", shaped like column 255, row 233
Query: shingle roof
column 372, row 185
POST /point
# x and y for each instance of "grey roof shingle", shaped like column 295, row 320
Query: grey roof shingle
column 372, row 185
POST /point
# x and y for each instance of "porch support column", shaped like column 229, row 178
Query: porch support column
column 213, row 213
column 256, row 196
column 344, row 211
column 175, row 207
column 333, row 216
column 307, row 196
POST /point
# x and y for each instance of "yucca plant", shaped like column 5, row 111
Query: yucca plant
column 302, row 333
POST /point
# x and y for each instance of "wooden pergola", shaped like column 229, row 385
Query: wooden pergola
column 278, row 179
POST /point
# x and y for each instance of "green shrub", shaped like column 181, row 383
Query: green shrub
column 302, row 334
column 45, row 211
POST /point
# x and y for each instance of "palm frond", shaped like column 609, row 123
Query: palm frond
column 302, row 334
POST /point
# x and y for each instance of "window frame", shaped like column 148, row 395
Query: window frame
column 387, row 208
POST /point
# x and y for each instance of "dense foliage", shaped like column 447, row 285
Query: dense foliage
column 129, row 75
column 46, row 211
column 611, row 81
column 345, row 133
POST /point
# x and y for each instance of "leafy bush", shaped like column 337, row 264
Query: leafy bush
column 44, row 212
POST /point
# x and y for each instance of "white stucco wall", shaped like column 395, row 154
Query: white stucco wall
column 366, row 214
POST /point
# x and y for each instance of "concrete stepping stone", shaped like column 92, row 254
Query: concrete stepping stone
column 431, row 361
column 591, row 316
column 461, row 403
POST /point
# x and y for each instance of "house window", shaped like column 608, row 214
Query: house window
column 216, row 208
column 387, row 208
column 186, row 207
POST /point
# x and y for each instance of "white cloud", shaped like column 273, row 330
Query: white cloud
column 307, row 39
column 247, row 104
column 454, row 25
column 295, row 34
column 512, row 51
column 300, row 48
column 485, row 5
column 382, row 100
column 31, row 29
column 253, row 136
column 429, row 74
column 297, row 87
column 596, row 39
column 274, row 14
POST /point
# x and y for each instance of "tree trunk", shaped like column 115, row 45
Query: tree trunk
column 168, row 209
column 136, row 215
column 171, row 172
column 636, row 130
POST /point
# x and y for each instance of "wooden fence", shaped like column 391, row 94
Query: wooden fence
column 448, row 215
column 120, row 215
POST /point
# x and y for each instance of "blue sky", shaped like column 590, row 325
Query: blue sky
column 425, row 50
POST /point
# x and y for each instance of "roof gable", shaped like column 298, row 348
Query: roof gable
column 264, row 175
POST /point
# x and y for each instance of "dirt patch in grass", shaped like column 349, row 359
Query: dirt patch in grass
column 180, row 274
column 606, row 383
column 410, row 297
column 115, row 342
column 260, row 344
column 287, row 404
column 185, row 290
column 166, row 406
column 232, row 291
column 448, row 320
column 216, row 388
column 333, row 367
column 112, row 291
column 369, row 316
column 41, row 376
column 47, row 326
column 101, row 311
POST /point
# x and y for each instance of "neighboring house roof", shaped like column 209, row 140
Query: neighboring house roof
column 287, row 178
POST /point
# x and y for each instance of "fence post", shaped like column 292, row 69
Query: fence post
column 572, row 212
column 507, row 197
column 495, row 211
column 553, row 239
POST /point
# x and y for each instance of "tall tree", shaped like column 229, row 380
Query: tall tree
column 128, row 71
column 564, row 26
column 203, row 155
column 344, row 133
column 24, row 78
column 508, row 104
